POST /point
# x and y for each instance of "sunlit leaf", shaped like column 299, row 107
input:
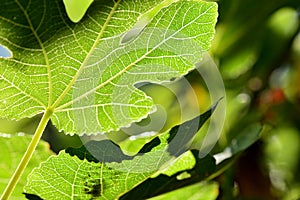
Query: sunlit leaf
column 100, row 169
column 200, row 191
column 83, row 72
column 12, row 148
column 76, row 8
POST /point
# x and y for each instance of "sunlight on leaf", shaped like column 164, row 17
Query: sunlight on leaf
column 83, row 71
column 184, row 162
column 200, row 191
column 162, row 184
column 77, row 8
column 66, row 177
column 100, row 169
column 12, row 148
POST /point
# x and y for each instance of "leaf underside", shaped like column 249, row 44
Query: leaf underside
column 83, row 72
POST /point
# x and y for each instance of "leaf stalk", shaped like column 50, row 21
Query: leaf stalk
column 27, row 156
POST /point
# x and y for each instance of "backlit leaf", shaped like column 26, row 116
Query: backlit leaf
column 12, row 147
column 100, row 170
column 84, row 72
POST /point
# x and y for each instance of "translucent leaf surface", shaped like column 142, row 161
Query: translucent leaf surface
column 184, row 162
column 186, row 172
column 162, row 184
column 12, row 147
column 66, row 177
column 76, row 9
column 100, row 170
column 200, row 191
column 83, row 72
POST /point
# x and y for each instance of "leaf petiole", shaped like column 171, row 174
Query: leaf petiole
column 27, row 156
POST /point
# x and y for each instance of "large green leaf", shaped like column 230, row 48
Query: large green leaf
column 85, row 73
column 12, row 148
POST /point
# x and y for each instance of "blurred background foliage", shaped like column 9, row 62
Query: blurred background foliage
column 257, row 50
column 257, row 47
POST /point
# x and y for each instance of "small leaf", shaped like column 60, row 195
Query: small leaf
column 184, row 162
column 77, row 8
column 66, row 177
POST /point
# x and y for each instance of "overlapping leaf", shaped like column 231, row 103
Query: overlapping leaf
column 204, row 169
column 100, row 170
column 76, row 9
column 83, row 72
column 66, row 177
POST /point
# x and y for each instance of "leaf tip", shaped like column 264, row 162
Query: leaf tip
column 76, row 9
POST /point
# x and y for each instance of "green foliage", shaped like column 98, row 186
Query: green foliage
column 198, row 191
column 66, row 57
column 76, row 9
column 83, row 78
column 88, row 77
column 83, row 176
column 257, row 48
column 108, row 173
column 12, row 148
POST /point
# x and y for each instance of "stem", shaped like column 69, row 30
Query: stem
column 28, row 154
